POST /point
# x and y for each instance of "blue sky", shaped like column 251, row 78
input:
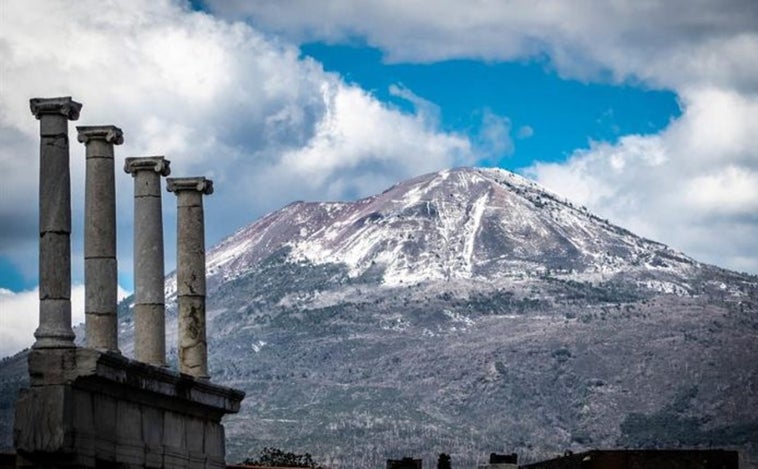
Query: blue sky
column 644, row 112
column 563, row 114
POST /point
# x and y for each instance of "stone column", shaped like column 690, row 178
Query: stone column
column 190, row 272
column 149, row 287
column 100, row 267
column 54, row 329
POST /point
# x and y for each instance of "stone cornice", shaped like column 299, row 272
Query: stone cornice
column 64, row 106
column 122, row 375
column 109, row 133
column 199, row 184
column 157, row 164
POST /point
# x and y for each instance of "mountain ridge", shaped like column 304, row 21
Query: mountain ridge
column 360, row 234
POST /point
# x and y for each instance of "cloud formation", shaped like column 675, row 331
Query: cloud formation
column 693, row 185
column 217, row 98
column 19, row 316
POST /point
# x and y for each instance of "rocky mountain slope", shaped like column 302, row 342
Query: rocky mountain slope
column 465, row 312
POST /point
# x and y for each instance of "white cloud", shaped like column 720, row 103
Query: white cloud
column 360, row 146
column 19, row 316
column 494, row 137
column 666, row 43
column 216, row 98
column 694, row 185
column 525, row 131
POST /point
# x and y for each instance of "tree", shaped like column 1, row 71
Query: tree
column 275, row 457
column 444, row 461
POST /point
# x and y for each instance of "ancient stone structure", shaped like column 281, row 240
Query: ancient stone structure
column 54, row 222
column 89, row 407
column 100, row 266
column 190, row 272
column 149, row 296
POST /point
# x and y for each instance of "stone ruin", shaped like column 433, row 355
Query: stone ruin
column 91, row 407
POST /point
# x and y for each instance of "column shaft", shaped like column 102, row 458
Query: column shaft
column 100, row 264
column 149, row 284
column 54, row 329
column 190, row 273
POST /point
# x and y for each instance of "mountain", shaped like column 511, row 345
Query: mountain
column 465, row 312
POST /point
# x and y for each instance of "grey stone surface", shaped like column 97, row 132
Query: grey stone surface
column 150, row 341
column 190, row 272
column 55, row 324
column 174, row 432
column 100, row 276
column 150, row 164
column 100, row 265
column 100, row 209
column 148, row 319
column 54, row 266
column 191, row 256
column 55, row 221
column 98, row 327
column 55, row 181
column 42, row 412
column 64, row 106
column 152, row 434
column 131, row 446
column 214, row 444
column 106, row 427
column 148, row 251
column 193, row 348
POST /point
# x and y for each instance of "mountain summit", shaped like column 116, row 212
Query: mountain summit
column 466, row 312
column 479, row 224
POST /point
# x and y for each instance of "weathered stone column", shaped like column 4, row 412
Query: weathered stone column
column 100, row 265
column 149, row 288
column 190, row 272
column 54, row 329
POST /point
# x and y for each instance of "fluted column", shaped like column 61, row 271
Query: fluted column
column 190, row 272
column 149, row 288
column 100, row 265
column 54, row 329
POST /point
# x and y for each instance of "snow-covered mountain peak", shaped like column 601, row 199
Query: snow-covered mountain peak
column 463, row 223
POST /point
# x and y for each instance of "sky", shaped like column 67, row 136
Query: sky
column 644, row 112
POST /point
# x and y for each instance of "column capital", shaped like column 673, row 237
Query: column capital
column 157, row 164
column 64, row 106
column 199, row 184
column 110, row 133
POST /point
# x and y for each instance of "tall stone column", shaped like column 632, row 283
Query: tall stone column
column 54, row 329
column 100, row 265
column 149, row 286
column 190, row 272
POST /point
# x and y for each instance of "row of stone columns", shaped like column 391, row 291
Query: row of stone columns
column 100, row 264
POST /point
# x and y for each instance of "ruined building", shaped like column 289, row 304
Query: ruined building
column 91, row 407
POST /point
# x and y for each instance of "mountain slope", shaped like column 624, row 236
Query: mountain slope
column 471, row 311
